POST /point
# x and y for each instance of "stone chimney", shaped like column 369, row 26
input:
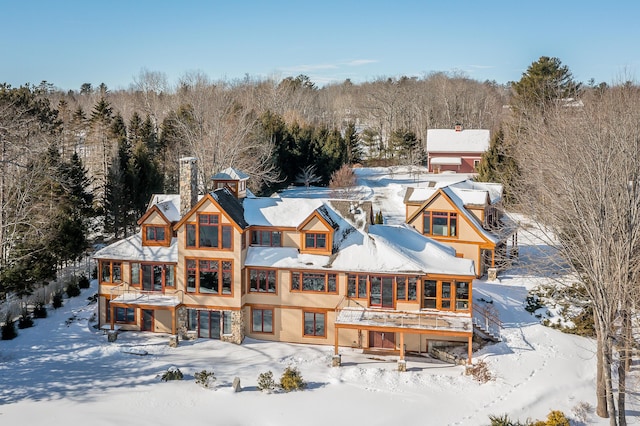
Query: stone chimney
column 188, row 184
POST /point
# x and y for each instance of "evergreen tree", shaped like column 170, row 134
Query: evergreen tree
column 546, row 80
column 498, row 164
column 354, row 150
column 146, row 177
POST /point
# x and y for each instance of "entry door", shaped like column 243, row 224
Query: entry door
column 381, row 292
column 209, row 324
column 382, row 340
column 147, row 320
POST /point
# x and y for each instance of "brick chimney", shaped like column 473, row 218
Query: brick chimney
column 188, row 184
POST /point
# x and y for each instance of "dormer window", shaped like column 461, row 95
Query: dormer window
column 440, row 224
column 315, row 240
column 266, row 238
column 154, row 235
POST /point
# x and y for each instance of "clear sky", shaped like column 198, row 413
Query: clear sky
column 70, row 42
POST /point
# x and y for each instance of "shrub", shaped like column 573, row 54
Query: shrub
column 581, row 411
column 8, row 329
column 266, row 382
column 557, row 418
column 25, row 320
column 83, row 281
column 94, row 273
column 73, row 290
column 532, row 304
column 480, row 371
column 39, row 311
column 173, row 373
column 206, row 379
column 57, row 300
column 291, row 380
column 503, row 420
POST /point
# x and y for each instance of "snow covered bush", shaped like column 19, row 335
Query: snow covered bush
column 291, row 380
column 173, row 373
column 206, row 379
column 25, row 320
column 266, row 382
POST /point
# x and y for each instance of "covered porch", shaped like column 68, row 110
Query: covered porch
column 146, row 303
column 430, row 323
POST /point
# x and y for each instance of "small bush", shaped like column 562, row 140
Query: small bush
column 8, row 329
column 39, row 311
column 83, row 281
column 503, row 420
column 266, row 382
column 57, row 300
column 206, row 379
column 480, row 371
column 25, row 321
column 291, row 380
column 173, row 373
column 73, row 290
column 532, row 304
column 557, row 418
column 581, row 411
column 94, row 273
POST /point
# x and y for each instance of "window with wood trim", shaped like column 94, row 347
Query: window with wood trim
column 266, row 238
column 110, row 271
column 406, row 288
column 209, row 232
column 314, row 281
column 154, row 234
column 357, row 286
column 446, row 295
column 209, row 276
column 315, row 324
column 315, row 240
column 262, row 320
column 125, row 315
column 440, row 224
column 153, row 276
column 262, row 281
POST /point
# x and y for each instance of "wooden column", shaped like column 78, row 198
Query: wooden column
column 335, row 349
column 401, row 345
column 470, row 343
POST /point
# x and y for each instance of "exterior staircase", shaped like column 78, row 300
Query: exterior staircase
column 486, row 323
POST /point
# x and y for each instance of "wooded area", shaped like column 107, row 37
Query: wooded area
column 83, row 164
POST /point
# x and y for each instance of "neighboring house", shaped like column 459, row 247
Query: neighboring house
column 463, row 215
column 284, row 269
column 456, row 150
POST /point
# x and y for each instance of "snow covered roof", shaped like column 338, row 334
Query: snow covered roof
column 231, row 205
column 169, row 205
column 468, row 191
column 448, row 140
column 132, row 249
column 281, row 212
column 230, row 174
column 385, row 249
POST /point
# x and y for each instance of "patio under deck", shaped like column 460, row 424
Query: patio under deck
column 411, row 322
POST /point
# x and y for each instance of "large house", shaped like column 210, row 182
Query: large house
column 226, row 265
column 463, row 215
column 456, row 150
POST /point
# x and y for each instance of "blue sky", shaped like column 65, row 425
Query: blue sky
column 70, row 42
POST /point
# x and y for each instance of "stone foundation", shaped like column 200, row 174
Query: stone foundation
column 237, row 328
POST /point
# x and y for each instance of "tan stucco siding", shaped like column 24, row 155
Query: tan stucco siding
column 316, row 224
column 155, row 219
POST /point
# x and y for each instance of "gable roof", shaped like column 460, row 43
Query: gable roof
column 469, row 191
column 167, row 204
column 448, row 140
column 231, row 205
column 230, row 174
column 279, row 212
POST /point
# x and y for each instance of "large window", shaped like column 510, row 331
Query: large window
column 315, row 240
column 313, row 281
column 446, row 295
column 208, row 232
column 152, row 276
column 262, row 320
column 314, row 324
column 262, row 280
column 209, row 276
column 110, row 272
column 209, row 324
column 357, row 286
column 266, row 238
column 406, row 288
column 440, row 224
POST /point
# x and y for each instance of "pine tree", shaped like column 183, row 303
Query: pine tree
column 354, row 150
column 498, row 164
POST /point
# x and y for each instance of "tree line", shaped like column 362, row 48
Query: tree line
column 78, row 164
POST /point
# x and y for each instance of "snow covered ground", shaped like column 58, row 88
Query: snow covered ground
column 64, row 372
